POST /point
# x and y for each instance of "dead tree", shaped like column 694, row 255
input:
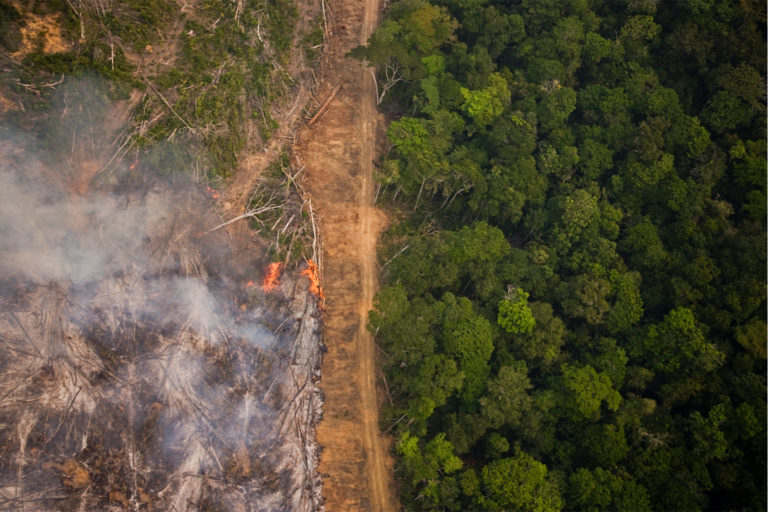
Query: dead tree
column 392, row 76
column 251, row 212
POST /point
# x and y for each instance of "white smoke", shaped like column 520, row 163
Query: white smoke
column 135, row 368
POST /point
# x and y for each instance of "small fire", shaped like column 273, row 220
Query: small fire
column 314, row 279
column 272, row 276
column 212, row 192
column 133, row 165
column 249, row 284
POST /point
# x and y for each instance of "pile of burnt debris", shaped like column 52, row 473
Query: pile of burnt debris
column 136, row 371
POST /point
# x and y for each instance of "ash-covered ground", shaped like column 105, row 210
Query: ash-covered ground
column 137, row 369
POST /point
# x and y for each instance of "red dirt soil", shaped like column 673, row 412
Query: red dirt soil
column 338, row 151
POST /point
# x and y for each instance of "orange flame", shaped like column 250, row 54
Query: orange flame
column 272, row 276
column 314, row 279
column 133, row 165
column 212, row 192
column 249, row 284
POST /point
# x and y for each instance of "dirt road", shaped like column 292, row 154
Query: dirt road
column 338, row 151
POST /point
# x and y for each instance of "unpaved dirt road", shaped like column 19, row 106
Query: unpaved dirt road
column 338, row 151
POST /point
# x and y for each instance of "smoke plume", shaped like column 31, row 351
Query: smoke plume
column 136, row 369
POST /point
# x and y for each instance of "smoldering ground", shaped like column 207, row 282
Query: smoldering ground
column 136, row 370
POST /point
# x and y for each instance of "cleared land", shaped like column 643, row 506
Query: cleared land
column 338, row 152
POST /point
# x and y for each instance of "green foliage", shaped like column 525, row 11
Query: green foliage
column 507, row 397
column 437, row 455
column 584, row 390
column 678, row 344
column 409, row 136
column 604, row 445
column 486, row 104
column 585, row 296
column 282, row 16
column 138, row 21
column 413, row 29
column 404, row 328
column 605, row 355
column 467, row 337
column 424, row 464
column 222, row 78
column 514, row 314
column 555, row 107
column 543, row 344
column 600, row 489
column 519, row 483
column 628, row 307
column 752, row 337
column 738, row 99
column 610, row 162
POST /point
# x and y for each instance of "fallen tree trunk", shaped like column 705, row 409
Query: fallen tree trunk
column 325, row 104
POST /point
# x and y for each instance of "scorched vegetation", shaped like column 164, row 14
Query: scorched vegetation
column 140, row 367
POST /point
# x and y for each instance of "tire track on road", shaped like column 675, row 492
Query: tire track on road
column 338, row 151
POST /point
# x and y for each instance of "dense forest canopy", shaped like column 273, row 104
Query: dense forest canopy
column 573, row 314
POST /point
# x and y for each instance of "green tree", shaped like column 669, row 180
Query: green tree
column 706, row 434
column 627, row 308
column 506, row 399
column 643, row 245
column 678, row 345
column 636, row 34
column 428, row 387
column 514, row 314
column 485, row 105
column 604, row 445
column 595, row 158
column 596, row 48
column 468, row 337
column 752, row 337
column 412, row 30
column 574, row 213
column 583, row 390
column 749, row 167
column 421, row 163
column 585, row 296
column 425, row 465
column 464, row 430
column 480, row 250
column 739, row 97
column 496, row 445
column 557, row 103
column 542, row 346
column 600, row 489
column 403, row 327
column 605, row 355
column 610, row 161
column 519, row 483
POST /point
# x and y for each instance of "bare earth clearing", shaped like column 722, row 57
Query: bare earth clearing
column 338, row 152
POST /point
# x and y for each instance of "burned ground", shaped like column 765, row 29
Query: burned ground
column 138, row 371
